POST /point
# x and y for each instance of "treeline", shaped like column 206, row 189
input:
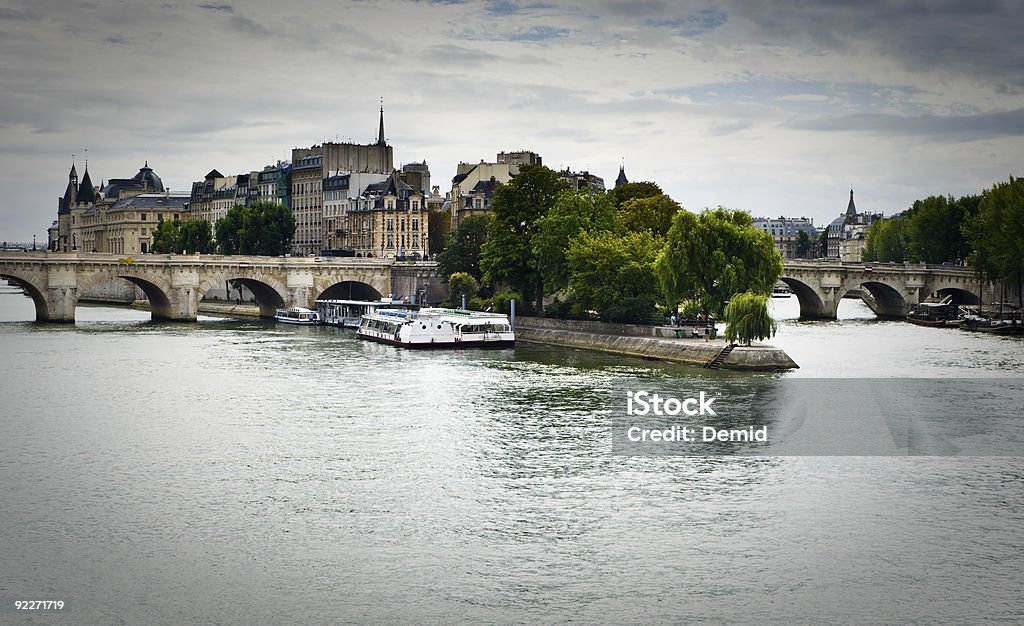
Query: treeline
column 625, row 255
column 264, row 228
column 985, row 231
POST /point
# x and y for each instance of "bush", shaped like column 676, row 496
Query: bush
column 634, row 310
column 502, row 303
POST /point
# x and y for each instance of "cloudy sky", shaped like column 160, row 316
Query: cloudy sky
column 776, row 108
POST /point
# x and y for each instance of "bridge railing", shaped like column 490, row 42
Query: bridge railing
column 836, row 263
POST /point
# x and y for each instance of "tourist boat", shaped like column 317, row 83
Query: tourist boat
column 348, row 313
column 297, row 315
column 437, row 328
column 781, row 290
column 935, row 314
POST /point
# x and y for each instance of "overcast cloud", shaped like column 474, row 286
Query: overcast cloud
column 776, row 108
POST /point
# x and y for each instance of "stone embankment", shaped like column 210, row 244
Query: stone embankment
column 649, row 342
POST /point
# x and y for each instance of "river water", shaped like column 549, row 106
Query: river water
column 236, row 471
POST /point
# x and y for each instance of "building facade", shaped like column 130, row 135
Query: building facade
column 474, row 184
column 785, row 232
column 118, row 217
column 847, row 234
column 388, row 220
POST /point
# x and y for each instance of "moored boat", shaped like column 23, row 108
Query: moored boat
column 437, row 328
column 348, row 313
column 978, row 324
column 297, row 315
column 938, row 314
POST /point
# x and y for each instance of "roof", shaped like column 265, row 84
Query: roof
column 154, row 201
column 621, row 180
column 213, row 174
column 86, row 193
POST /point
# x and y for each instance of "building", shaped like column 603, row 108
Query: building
column 582, row 180
column 621, row 178
column 311, row 166
column 213, row 197
column 117, row 217
column 474, row 184
column 785, row 232
column 340, row 191
column 847, row 233
column 388, row 220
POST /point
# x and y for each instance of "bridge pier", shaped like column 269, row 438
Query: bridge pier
column 58, row 305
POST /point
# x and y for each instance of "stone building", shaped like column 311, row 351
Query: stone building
column 388, row 220
column 340, row 191
column 847, row 233
column 213, row 197
column 785, row 232
column 474, row 184
column 117, row 217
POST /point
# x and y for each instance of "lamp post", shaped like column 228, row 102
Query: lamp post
column 33, row 243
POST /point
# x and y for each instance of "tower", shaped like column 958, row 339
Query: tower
column 380, row 133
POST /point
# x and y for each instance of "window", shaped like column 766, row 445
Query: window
column 415, row 224
column 143, row 232
column 143, row 217
column 391, row 224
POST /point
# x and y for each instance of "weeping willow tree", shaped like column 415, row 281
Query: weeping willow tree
column 747, row 318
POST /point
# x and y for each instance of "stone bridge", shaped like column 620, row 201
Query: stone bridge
column 175, row 284
column 891, row 288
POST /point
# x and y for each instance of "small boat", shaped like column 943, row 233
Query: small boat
column 781, row 291
column 979, row 324
column 348, row 313
column 939, row 314
column 437, row 328
column 297, row 315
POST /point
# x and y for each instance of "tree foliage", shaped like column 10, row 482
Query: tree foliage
column 747, row 318
column 461, row 284
column 630, row 191
column 573, row 213
column 175, row 236
column 998, row 233
column 803, row 245
column 886, row 241
column 712, row 256
column 652, row 213
column 264, row 228
column 462, row 253
column 933, row 230
column 439, row 225
column 507, row 254
column 613, row 274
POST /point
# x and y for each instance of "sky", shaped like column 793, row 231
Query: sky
column 777, row 108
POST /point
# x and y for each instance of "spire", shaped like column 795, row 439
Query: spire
column 380, row 133
column 73, row 175
column 851, row 209
column 86, row 193
column 621, row 180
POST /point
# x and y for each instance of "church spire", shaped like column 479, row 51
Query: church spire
column 621, row 180
column 380, row 133
column 851, row 209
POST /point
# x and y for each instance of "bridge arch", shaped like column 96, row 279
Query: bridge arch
column 887, row 300
column 347, row 290
column 270, row 294
column 811, row 304
column 157, row 290
column 34, row 291
column 960, row 295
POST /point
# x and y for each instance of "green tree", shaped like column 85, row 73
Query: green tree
column 747, row 318
column 613, row 274
column 652, row 213
column 166, row 237
column 195, row 235
column 573, row 212
column 712, row 256
column 461, row 284
column 462, row 253
column 629, row 191
column 886, row 241
column 507, row 254
column 439, row 225
column 933, row 229
column 998, row 232
column 803, row 244
column 264, row 229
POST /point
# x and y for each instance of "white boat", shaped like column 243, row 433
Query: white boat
column 297, row 315
column 348, row 313
column 437, row 328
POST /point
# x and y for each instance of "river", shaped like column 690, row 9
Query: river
column 237, row 471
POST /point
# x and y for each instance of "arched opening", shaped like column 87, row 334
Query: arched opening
column 107, row 289
column 885, row 301
column 959, row 296
column 268, row 297
column 350, row 290
column 811, row 305
column 27, row 288
column 159, row 304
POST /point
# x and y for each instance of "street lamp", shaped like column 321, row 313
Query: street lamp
column 33, row 243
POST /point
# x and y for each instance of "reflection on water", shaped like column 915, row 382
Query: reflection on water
column 240, row 471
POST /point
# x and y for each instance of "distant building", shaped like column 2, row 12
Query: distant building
column 213, row 197
column 474, row 184
column 388, row 220
column 621, row 178
column 785, row 232
column 311, row 166
column 847, row 233
column 117, row 217
column 341, row 190
column 582, row 180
